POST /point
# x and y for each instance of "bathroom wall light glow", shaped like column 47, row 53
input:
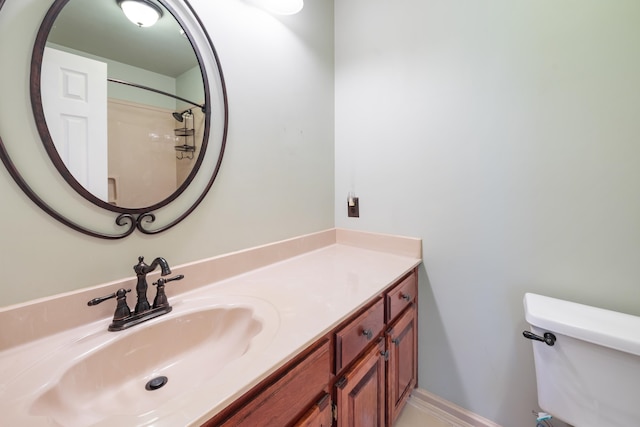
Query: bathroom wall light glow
column 143, row 13
column 281, row 7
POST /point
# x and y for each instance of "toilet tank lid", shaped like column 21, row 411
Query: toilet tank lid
column 608, row 328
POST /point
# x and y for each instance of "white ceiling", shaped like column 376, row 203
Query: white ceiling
column 99, row 27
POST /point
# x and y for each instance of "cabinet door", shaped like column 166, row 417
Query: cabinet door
column 319, row 415
column 402, row 366
column 360, row 392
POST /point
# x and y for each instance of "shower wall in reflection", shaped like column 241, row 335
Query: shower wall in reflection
column 142, row 159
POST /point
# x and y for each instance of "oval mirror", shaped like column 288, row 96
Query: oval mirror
column 121, row 107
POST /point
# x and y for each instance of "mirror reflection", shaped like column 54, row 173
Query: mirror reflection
column 123, row 101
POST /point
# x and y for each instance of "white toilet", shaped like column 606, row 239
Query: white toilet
column 590, row 376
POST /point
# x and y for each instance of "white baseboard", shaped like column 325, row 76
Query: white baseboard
column 448, row 411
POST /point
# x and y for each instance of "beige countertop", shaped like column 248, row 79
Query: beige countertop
column 300, row 298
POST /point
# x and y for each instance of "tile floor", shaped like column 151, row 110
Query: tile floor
column 415, row 414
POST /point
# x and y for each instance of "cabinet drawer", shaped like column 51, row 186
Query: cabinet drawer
column 403, row 294
column 354, row 337
column 281, row 402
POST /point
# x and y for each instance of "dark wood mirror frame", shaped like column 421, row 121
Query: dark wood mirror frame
column 132, row 218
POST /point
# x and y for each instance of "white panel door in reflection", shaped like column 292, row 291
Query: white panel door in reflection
column 74, row 99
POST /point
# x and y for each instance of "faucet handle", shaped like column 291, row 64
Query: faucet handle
column 161, row 281
column 98, row 300
column 122, row 309
column 161, row 298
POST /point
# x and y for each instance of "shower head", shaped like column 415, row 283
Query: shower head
column 179, row 116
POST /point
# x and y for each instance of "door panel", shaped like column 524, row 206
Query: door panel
column 402, row 367
column 360, row 395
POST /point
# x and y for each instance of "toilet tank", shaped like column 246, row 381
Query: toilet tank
column 590, row 377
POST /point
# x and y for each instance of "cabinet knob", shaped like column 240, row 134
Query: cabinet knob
column 385, row 354
column 396, row 341
column 367, row 333
column 405, row 297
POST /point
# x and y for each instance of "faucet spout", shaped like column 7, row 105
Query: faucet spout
column 142, row 269
column 164, row 266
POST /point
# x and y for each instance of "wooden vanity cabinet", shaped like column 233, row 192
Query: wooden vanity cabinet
column 373, row 355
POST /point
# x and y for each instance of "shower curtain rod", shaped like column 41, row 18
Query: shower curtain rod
column 122, row 82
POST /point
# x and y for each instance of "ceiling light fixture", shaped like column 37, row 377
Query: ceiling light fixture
column 282, row 7
column 143, row 13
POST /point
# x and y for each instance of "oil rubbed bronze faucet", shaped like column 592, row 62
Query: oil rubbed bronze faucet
column 123, row 318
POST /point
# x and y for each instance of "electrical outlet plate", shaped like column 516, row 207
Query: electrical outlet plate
column 353, row 208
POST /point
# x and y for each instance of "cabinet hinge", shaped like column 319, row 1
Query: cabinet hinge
column 334, row 411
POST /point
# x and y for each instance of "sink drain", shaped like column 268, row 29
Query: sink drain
column 156, row 383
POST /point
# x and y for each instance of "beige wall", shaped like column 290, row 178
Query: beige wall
column 276, row 179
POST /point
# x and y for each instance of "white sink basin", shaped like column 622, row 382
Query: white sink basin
column 189, row 346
